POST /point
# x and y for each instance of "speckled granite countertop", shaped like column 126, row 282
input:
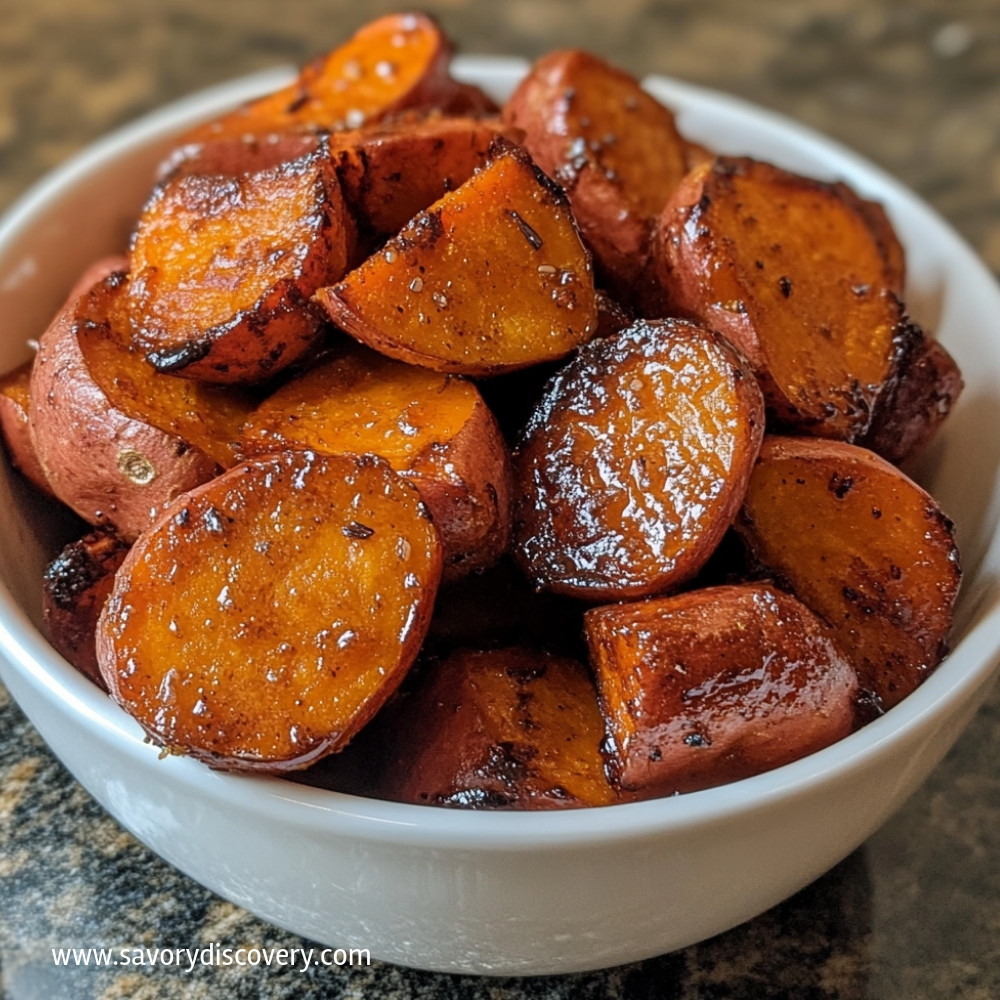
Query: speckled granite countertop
column 913, row 914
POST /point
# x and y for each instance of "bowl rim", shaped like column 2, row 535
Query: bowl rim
column 969, row 667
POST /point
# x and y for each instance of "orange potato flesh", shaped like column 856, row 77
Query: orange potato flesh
column 492, row 278
column 269, row 614
column 395, row 62
column 715, row 685
column 614, row 148
column 75, row 586
column 635, row 462
column 433, row 429
column 223, row 267
column 792, row 272
column 208, row 417
column 509, row 728
column 15, row 427
column 863, row 547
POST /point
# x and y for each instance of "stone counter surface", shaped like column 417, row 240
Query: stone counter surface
column 915, row 913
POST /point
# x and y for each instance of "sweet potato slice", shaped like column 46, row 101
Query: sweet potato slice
column 76, row 585
column 925, row 390
column 864, row 547
column 223, row 267
column 434, row 429
column 715, row 685
column 15, row 427
column 394, row 62
column 269, row 614
column 798, row 274
column 510, row 729
column 614, row 148
column 207, row 417
column 113, row 470
column 491, row 278
column 635, row 462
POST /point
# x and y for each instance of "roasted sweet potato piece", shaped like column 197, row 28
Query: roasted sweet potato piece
column 509, row 729
column 223, row 267
column 925, row 390
column 207, row 417
column 75, row 586
column 234, row 155
column 113, row 470
column 394, row 62
column 614, row 148
column 635, row 462
column 268, row 615
column 864, row 547
column 491, row 278
column 434, row 429
column 15, row 427
column 715, row 685
column 798, row 275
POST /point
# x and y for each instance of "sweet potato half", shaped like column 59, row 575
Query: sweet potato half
column 15, row 426
column 433, row 429
column 268, row 615
column 801, row 275
column 864, row 547
column 612, row 146
column 223, row 268
column 491, row 278
column 635, row 461
column 715, row 685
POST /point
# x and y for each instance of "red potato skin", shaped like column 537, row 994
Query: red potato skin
column 715, row 685
column 15, row 429
column 112, row 470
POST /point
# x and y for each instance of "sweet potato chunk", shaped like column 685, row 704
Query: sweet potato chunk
column 223, row 267
column 924, row 392
column 864, row 547
column 269, row 614
column 635, row 462
column 207, row 417
column 797, row 274
column 434, row 429
column 75, row 586
column 614, row 148
column 395, row 62
column 15, row 427
column 512, row 729
column 491, row 278
column 715, row 685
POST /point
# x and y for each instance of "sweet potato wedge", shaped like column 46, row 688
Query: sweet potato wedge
column 75, row 587
column 491, row 278
column 506, row 729
column 863, row 547
column 613, row 147
column 15, row 428
column 433, row 429
column 207, row 417
column 223, row 267
column 635, row 461
column 268, row 615
column 113, row 470
column 925, row 390
column 800, row 275
column 715, row 685
column 395, row 62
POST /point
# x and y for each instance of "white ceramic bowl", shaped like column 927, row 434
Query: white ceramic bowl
column 504, row 892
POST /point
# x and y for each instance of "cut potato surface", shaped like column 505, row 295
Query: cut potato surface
column 15, row 426
column 509, row 728
column 715, row 685
column 635, row 462
column 798, row 275
column 432, row 428
column 268, row 615
column 864, row 547
column 223, row 267
column 491, row 278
